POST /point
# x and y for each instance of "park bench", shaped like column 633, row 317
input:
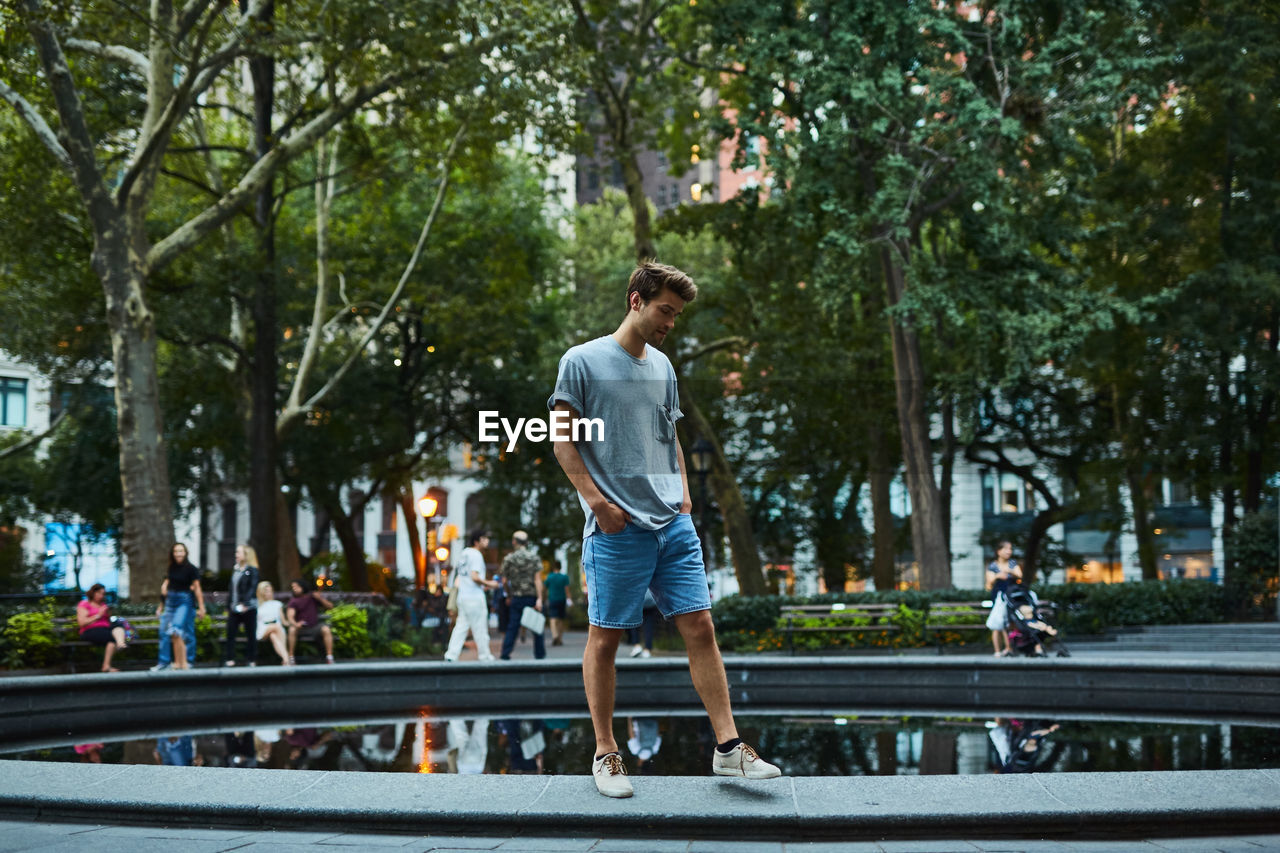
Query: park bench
column 941, row 619
column 836, row 618
column 955, row 616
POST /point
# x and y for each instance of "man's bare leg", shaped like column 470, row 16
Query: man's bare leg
column 706, row 667
column 600, row 678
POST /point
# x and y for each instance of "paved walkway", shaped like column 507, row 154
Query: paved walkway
column 107, row 838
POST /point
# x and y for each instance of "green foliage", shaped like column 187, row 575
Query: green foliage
column 1253, row 550
column 1091, row 608
column 401, row 649
column 350, row 627
column 30, row 639
column 209, row 640
column 746, row 613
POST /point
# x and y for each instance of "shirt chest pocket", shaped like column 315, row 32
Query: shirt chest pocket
column 664, row 425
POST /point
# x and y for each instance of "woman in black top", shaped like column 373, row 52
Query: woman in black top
column 179, row 592
column 1002, row 574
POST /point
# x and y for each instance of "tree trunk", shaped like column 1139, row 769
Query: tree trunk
column 948, row 467
column 1140, row 501
column 927, row 531
column 405, row 497
column 880, row 475
column 886, row 754
column 1226, row 451
column 352, row 549
column 1260, row 423
column 642, row 227
column 938, row 754
column 830, row 541
column 288, row 561
column 144, row 469
column 737, row 525
column 263, row 482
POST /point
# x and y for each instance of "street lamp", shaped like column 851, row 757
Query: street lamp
column 427, row 507
column 700, row 458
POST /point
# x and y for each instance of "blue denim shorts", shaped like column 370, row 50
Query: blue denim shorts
column 621, row 566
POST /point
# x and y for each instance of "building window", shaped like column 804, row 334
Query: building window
column 13, row 402
column 593, row 178
column 662, row 195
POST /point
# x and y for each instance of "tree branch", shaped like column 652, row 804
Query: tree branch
column 735, row 341
column 37, row 124
column 291, row 413
column 115, row 52
column 32, row 441
column 158, row 127
column 199, row 226
column 77, row 141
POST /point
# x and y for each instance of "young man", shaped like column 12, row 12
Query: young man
column 633, row 488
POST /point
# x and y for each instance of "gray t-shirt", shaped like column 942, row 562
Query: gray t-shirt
column 636, row 465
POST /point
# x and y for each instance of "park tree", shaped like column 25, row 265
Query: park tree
column 65, row 79
column 901, row 118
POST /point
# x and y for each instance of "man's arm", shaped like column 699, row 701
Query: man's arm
column 611, row 517
column 326, row 603
column 537, row 585
column 686, row 504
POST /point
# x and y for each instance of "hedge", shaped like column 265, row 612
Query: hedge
column 754, row 624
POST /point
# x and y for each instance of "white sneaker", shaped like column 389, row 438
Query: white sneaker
column 161, row 667
column 742, row 760
column 635, row 652
column 611, row 776
column 645, row 654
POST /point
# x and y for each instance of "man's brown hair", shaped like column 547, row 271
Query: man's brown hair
column 650, row 277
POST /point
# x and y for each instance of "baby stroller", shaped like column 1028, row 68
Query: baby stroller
column 1019, row 746
column 1031, row 629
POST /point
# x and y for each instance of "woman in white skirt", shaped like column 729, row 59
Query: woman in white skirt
column 473, row 610
column 271, row 620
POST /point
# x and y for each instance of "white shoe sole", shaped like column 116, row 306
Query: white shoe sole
column 738, row 775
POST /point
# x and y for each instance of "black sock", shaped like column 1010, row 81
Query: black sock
column 727, row 747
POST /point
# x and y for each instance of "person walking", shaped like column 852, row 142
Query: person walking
column 93, row 616
column 178, row 592
column 523, row 572
column 473, row 612
column 1002, row 575
column 271, row 621
column 242, row 606
column 629, row 471
column 558, row 603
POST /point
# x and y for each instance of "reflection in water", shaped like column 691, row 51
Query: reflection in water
column 644, row 742
column 818, row 745
column 1024, row 746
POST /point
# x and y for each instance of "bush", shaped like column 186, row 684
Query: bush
column 31, row 639
column 401, row 649
column 1251, row 585
column 350, row 627
column 1092, row 608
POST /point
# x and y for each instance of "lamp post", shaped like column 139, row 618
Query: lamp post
column 700, row 457
column 427, row 507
